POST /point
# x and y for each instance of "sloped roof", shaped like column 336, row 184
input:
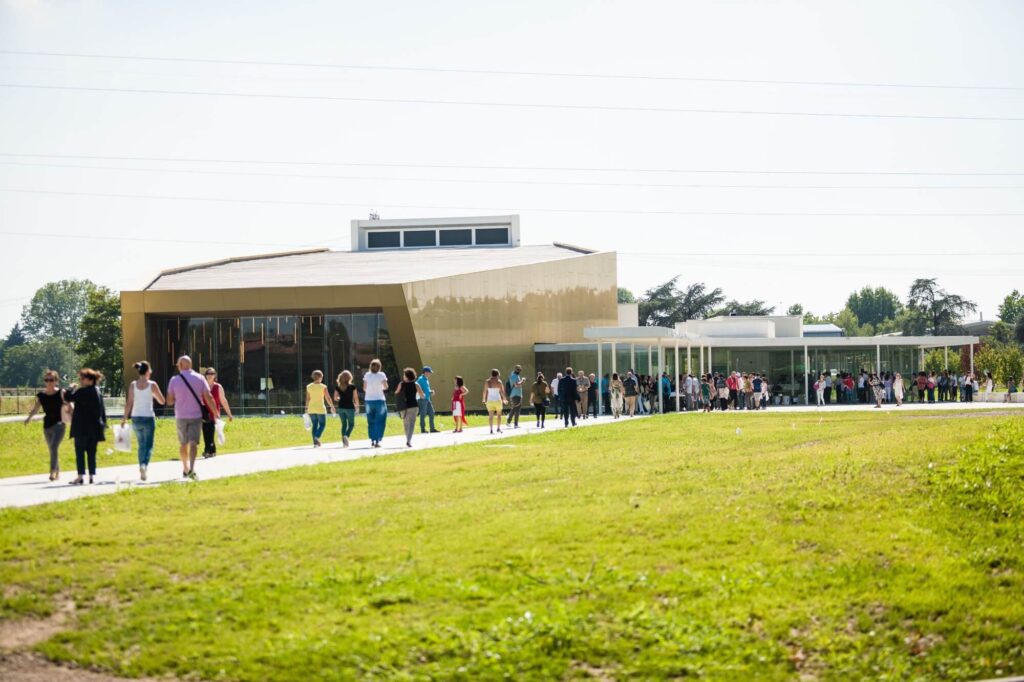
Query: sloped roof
column 322, row 267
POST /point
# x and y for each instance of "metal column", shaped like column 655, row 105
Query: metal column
column 632, row 356
column 657, row 378
column 689, row 358
column 702, row 359
column 650, row 361
column 972, row 359
column 807, row 376
column 600, row 373
column 615, row 366
column 946, row 349
column 679, row 384
column 878, row 360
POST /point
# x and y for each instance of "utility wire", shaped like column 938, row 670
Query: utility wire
column 280, row 202
column 560, row 183
column 500, row 72
column 180, row 159
column 621, row 108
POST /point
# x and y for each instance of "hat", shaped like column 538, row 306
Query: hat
column 427, row 369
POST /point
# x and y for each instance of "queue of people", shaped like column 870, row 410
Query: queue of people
column 845, row 388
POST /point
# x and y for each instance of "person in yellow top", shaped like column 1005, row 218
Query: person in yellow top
column 317, row 399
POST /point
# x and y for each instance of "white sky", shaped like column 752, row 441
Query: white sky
column 970, row 43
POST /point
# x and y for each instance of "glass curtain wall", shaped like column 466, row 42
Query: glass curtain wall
column 265, row 362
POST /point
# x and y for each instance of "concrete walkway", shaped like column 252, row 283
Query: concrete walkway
column 24, row 491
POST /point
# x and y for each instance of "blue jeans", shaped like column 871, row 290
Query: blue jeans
column 145, row 429
column 426, row 409
column 376, row 419
column 319, row 422
column 348, row 421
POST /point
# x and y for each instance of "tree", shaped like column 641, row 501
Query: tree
column 941, row 310
column 874, row 306
column 666, row 304
column 1012, row 307
column 755, row 308
column 1018, row 330
column 15, row 338
column 1001, row 332
column 1004, row 360
column 24, row 364
column 100, row 338
column 795, row 309
column 56, row 310
column 625, row 295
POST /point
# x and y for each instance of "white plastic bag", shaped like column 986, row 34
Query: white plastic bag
column 219, row 426
column 307, row 421
column 122, row 438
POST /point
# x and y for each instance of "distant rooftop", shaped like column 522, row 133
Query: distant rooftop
column 322, row 267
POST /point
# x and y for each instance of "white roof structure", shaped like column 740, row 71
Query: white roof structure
column 323, row 267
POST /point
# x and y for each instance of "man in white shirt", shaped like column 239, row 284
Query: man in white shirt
column 554, row 395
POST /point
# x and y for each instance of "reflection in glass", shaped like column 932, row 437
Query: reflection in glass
column 283, row 386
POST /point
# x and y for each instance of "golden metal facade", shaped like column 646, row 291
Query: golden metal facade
column 461, row 325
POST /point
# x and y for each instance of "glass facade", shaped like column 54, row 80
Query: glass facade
column 264, row 362
column 784, row 367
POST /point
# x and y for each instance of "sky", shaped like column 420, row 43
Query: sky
column 787, row 151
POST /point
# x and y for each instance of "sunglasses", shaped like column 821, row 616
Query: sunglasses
column 49, row 381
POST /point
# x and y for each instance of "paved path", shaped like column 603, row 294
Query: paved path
column 23, row 491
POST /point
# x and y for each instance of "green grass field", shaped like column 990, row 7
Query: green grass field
column 776, row 546
column 23, row 451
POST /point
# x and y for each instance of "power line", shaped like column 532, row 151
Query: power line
column 187, row 171
column 621, row 108
column 522, row 209
column 845, row 254
column 180, row 159
column 501, row 72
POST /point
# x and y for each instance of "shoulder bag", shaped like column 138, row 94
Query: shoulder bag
column 204, row 411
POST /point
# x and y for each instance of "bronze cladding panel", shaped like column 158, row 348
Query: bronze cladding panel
column 468, row 324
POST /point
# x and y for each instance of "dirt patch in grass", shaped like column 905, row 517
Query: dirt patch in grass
column 25, row 667
column 24, row 633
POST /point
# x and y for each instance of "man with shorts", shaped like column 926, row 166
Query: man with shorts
column 185, row 391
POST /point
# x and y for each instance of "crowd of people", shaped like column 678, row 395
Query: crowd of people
column 199, row 402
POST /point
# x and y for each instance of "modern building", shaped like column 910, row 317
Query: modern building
column 460, row 294
column 778, row 347
column 464, row 296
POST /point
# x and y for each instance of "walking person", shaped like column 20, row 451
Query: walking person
column 346, row 398
column 592, row 394
column 568, row 396
column 190, row 396
column 539, row 398
column 630, row 393
column 989, row 384
column 515, row 396
column 819, row 387
column 494, row 399
column 582, row 393
column 220, row 402
column 408, row 395
column 897, row 389
column 318, row 398
column 375, row 384
column 554, row 395
column 51, row 401
column 426, row 403
column 1011, row 388
column 877, row 391
column 616, row 395
column 139, row 406
column 88, row 421
column 459, row 404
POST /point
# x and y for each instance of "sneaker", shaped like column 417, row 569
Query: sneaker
column 435, row 430
column 192, row 475
column 142, row 472
column 344, row 441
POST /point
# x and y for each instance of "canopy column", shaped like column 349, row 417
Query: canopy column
column 946, row 349
column 878, row 360
column 807, row 376
column 689, row 358
column 675, row 371
column 657, row 377
column 972, row 359
column 632, row 356
column 600, row 373
column 702, row 359
column 615, row 365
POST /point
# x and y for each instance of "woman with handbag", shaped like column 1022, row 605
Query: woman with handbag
column 459, row 404
column 407, row 397
column 51, row 401
column 88, row 421
column 539, row 397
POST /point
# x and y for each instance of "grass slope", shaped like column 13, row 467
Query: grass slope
column 23, row 450
column 843, row 546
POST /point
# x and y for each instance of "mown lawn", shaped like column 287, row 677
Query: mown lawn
column 23, row 450
column 776, row 546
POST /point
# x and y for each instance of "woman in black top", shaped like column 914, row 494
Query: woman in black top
column 89, row 421
column 51, row 401
column 347, row 398
column 411, row 393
